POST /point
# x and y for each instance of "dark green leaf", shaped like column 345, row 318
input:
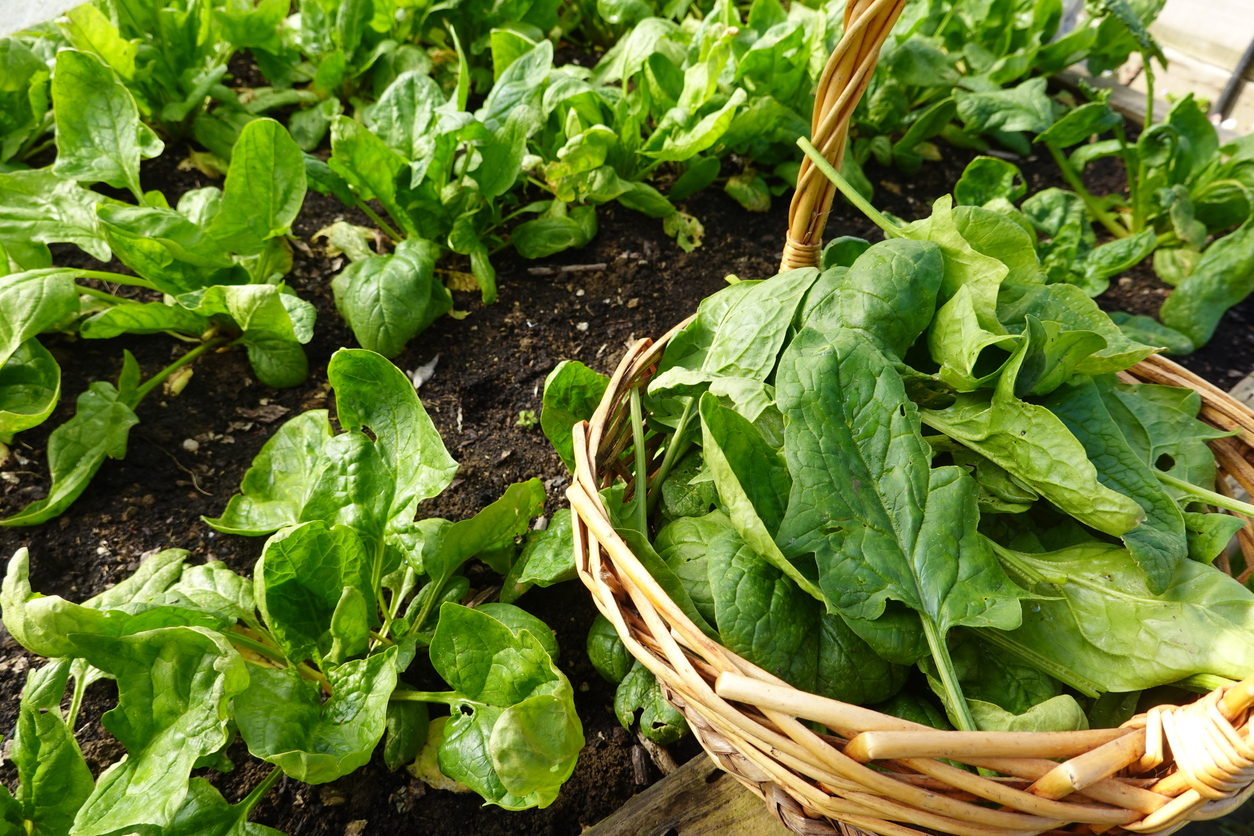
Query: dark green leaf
column 572, row 392
column 388, row 300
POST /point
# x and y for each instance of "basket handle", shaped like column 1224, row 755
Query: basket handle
column 844, row 80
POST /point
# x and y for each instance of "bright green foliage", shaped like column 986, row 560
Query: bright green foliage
column 571, row 394
column 387, row 300
column 303, row 658
column 99, row 136
column 283, row 720
column 1103, row 629
column 514, row 736
column 848, row 541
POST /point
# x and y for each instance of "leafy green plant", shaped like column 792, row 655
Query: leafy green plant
column 217, row 261
column 970, row 73
column 922, row 455
column 1189, row 206
column 304, row 660
column 25, row 104
column 172, row 56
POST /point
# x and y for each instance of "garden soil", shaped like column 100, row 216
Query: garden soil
column 189, row 452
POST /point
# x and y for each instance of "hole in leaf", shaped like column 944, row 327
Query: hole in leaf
column 990, row 360
column 467, row 710
column 902, row 409
column 1165, row 462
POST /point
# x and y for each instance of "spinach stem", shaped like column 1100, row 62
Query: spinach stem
column 642, row 472
column 101, row 295
column 76, row 701
column 446, row 697
column 1148, row 65
column 117, row 278
column 425, row 612
column 382, row 224
column 155, row 381
column 1209, row 497
column 1203, row 683
column 267, row 652
column 1130, row 167
column 851, row 194
column 1073, row 180
column 259, row 791
column 945, row 665
column 672, row 454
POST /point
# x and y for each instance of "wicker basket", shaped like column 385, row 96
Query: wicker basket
column 873, row 772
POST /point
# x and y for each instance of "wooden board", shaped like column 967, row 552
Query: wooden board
column 698, row 799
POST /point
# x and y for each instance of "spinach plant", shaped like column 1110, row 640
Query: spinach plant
column 304, row 660
column 217, row 261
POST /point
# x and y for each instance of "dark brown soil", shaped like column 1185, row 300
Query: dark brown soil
column 492, row 366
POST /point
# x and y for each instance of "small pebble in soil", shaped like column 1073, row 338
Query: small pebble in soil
column 583, row 326
column 191, row 445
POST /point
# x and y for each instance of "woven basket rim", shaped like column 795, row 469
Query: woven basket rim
column 746, row 718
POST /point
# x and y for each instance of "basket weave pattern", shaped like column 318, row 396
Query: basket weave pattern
column 873, row 772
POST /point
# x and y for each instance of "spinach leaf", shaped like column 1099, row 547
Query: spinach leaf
column 76, row 449
column 1158, row 542
column 639, row 693
column 264, row 190
column 865, row 500
column 167, row 248
column 205, row 811
column 741, row 337
column 888, row 294
column 546, row 559
column 389, row 299
column 283, row 720
column 514, row 736
column 1104, row 629
column 30, row 386
column 277, row 485
column 572, row 392
column 1223, row 276
column 37, row 208
column 53, row 779
column 300, row 580
column 99, row 135
column 607, row 652
column 1033, row 445
column 198, row 675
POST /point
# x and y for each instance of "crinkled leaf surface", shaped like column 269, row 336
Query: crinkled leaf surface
column 175, row 685
column 882, row 523
column 515, row 737
column 277, row 484
column 283, row 721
